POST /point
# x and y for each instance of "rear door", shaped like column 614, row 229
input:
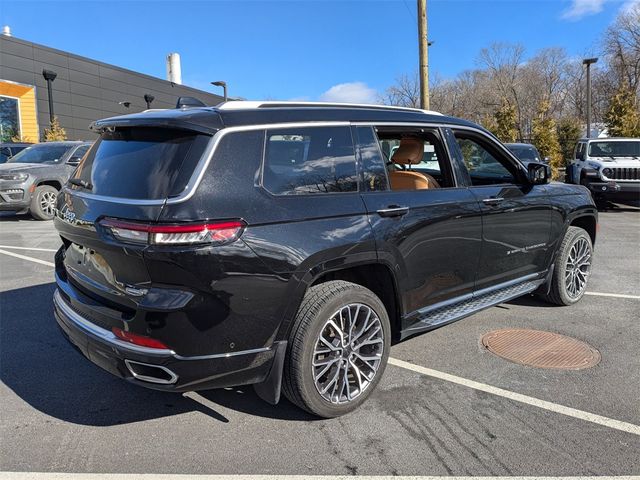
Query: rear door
column 516, row 215
column 430, row 238
column 127, row 175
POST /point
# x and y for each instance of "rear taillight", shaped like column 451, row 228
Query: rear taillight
column 215, row 233
column 136, row 339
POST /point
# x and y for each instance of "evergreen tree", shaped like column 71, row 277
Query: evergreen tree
column 623, row 118
column 506, row 123
column 545, row 138
column 569, row 131
column 55, row 133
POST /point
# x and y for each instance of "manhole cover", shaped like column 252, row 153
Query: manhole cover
column 541, row 349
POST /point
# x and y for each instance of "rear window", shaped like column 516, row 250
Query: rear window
column 309, row 160
column 141, row 163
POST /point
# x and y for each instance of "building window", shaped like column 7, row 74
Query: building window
column 9, row 118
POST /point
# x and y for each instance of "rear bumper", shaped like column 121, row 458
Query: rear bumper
column 613, row 190
column 160, row 369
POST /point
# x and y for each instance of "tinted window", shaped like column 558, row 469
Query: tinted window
column 373, row 165
column 141, row 163
column 42, row 153
column 525, row 153
column 629, row 148
column 484, row 168
column 80, row 151
column 309, row 160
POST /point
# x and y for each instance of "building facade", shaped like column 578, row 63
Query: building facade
column 84, row 90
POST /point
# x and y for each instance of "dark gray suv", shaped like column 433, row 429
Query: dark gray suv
column 31, row 179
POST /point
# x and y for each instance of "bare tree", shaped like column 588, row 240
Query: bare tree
column 622, row 48
column 404, row 93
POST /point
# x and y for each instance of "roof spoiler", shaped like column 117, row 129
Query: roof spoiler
column 189, row 102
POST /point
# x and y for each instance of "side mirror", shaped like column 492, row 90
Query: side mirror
column 74, row 161
column 539, row 173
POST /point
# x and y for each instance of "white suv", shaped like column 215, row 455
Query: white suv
column 608, row 167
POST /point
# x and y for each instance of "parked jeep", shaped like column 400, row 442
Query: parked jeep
column 31, row 179
column 275, row 244
column 608, row 167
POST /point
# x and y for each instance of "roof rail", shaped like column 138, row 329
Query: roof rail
column 246, row 105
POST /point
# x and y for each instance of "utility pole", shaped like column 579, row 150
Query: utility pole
column 588, row 62
column 424, row 54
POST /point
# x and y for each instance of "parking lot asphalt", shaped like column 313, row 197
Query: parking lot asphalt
column 59, row 413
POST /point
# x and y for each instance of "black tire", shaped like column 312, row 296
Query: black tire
column 319, row 305
column 559, row 293
column 43, row 201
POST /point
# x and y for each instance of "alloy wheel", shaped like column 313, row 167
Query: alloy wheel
column 578, row 267
column 48, row 202
column 348, row 353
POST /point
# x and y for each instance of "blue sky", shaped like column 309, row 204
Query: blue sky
column 315, row 50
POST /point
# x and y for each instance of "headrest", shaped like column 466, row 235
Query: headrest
column 410, row 151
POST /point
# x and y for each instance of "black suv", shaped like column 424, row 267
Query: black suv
column 288, row 245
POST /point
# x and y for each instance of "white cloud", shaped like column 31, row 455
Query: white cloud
column 353, row 92
column 583, row 8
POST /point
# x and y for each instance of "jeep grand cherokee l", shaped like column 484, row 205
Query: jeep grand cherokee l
column 277, row 245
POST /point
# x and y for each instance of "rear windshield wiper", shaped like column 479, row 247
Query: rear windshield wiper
column 81, row 183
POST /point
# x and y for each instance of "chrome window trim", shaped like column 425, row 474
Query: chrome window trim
column 203, row 163
column 453, row 127
column 108, row 337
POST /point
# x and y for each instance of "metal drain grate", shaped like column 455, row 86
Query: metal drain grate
column 541, row 349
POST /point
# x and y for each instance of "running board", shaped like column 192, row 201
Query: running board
column 438, row 315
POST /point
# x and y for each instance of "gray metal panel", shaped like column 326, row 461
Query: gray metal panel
column 86, row 90
column 17, row 62
column 19, row 48
column 51, row 58
column 15, row 75
column 87, row 102
column 83, row 78
column 58, row 108
column 84, row 66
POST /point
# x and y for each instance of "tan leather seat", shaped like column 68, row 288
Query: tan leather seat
column 410, row 152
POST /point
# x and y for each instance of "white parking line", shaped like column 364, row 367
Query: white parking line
column 615, row 295
column 30, row 259
column 154, row 476
column 518, row 397
column 29, row 248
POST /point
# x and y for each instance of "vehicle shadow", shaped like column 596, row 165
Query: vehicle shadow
column 530, row 301
column 12, row 217
column 39, row 366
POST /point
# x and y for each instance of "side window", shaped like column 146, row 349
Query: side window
column 580, row 151
column 373, row 164
column 416, row 159
column 483, row 166
column 309, row 160
column 79, row 152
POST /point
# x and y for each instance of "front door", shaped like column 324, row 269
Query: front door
column 516, row 215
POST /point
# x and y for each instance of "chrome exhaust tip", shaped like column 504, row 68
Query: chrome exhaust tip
column 146, row 372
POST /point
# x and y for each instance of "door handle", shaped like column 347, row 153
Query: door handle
column 393, row 211
column 492, row 200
